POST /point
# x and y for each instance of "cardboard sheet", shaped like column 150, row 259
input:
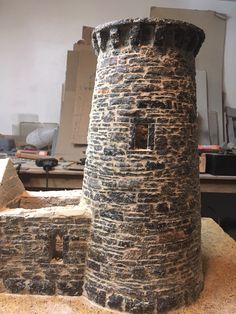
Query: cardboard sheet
column 64, row 146
column 84, row 91
column 76, row 99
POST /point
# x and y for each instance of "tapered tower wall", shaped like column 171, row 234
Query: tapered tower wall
column 141, row 177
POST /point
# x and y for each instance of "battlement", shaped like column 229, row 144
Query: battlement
column 160, row 33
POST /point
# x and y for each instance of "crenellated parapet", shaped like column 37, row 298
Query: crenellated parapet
column 160, row 33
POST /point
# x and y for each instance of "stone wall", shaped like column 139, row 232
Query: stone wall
column 141, row 176
column 39, row 199
column 43, row 241
column 43, row 251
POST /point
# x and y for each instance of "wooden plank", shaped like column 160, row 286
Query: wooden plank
column 64, row 147
column 76, row 103
column 55, row 181
column 10, row 185
column 209, row 186
column 217, row 184
column 84, row 92
column 84, row 87
column 207, row 176
column 87, row 34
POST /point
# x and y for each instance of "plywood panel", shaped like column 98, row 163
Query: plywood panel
column 84, row 91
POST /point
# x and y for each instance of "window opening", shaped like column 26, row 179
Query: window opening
column 141, row 136
column 57, row 247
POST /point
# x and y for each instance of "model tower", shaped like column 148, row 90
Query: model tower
column 141, row 178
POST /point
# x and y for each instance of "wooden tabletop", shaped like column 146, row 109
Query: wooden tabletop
column 217, row 184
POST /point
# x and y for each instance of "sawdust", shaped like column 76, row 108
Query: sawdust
column 218, row 296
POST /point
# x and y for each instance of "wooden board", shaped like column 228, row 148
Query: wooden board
column 64, row 147
column 10, row 185
column 84, row 92
column 76, row 99
column 84, row 86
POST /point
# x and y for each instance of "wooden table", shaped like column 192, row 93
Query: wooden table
column 217, row 184
column 60, row 178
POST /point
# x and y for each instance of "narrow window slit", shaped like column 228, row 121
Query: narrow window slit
column 141, row 136
column 57, row 248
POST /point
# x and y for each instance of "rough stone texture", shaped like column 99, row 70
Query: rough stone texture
column 39, row 199
column 218, row 296
column 141, row 176
column 42, row 247
column 43, row 251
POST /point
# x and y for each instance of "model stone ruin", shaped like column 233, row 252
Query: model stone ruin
column 133, row 242
column 43, row 238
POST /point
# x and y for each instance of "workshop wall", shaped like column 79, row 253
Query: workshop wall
column 35, row 37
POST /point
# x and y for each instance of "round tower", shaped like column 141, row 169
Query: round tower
column 141, row 178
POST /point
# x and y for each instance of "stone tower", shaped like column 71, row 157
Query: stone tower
column 141, row 177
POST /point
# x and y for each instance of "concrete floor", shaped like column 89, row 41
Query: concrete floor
column 218, row 296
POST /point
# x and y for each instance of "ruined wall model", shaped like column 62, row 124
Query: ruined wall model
column 43, row 238
column 141, row 176
column 43, row 251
